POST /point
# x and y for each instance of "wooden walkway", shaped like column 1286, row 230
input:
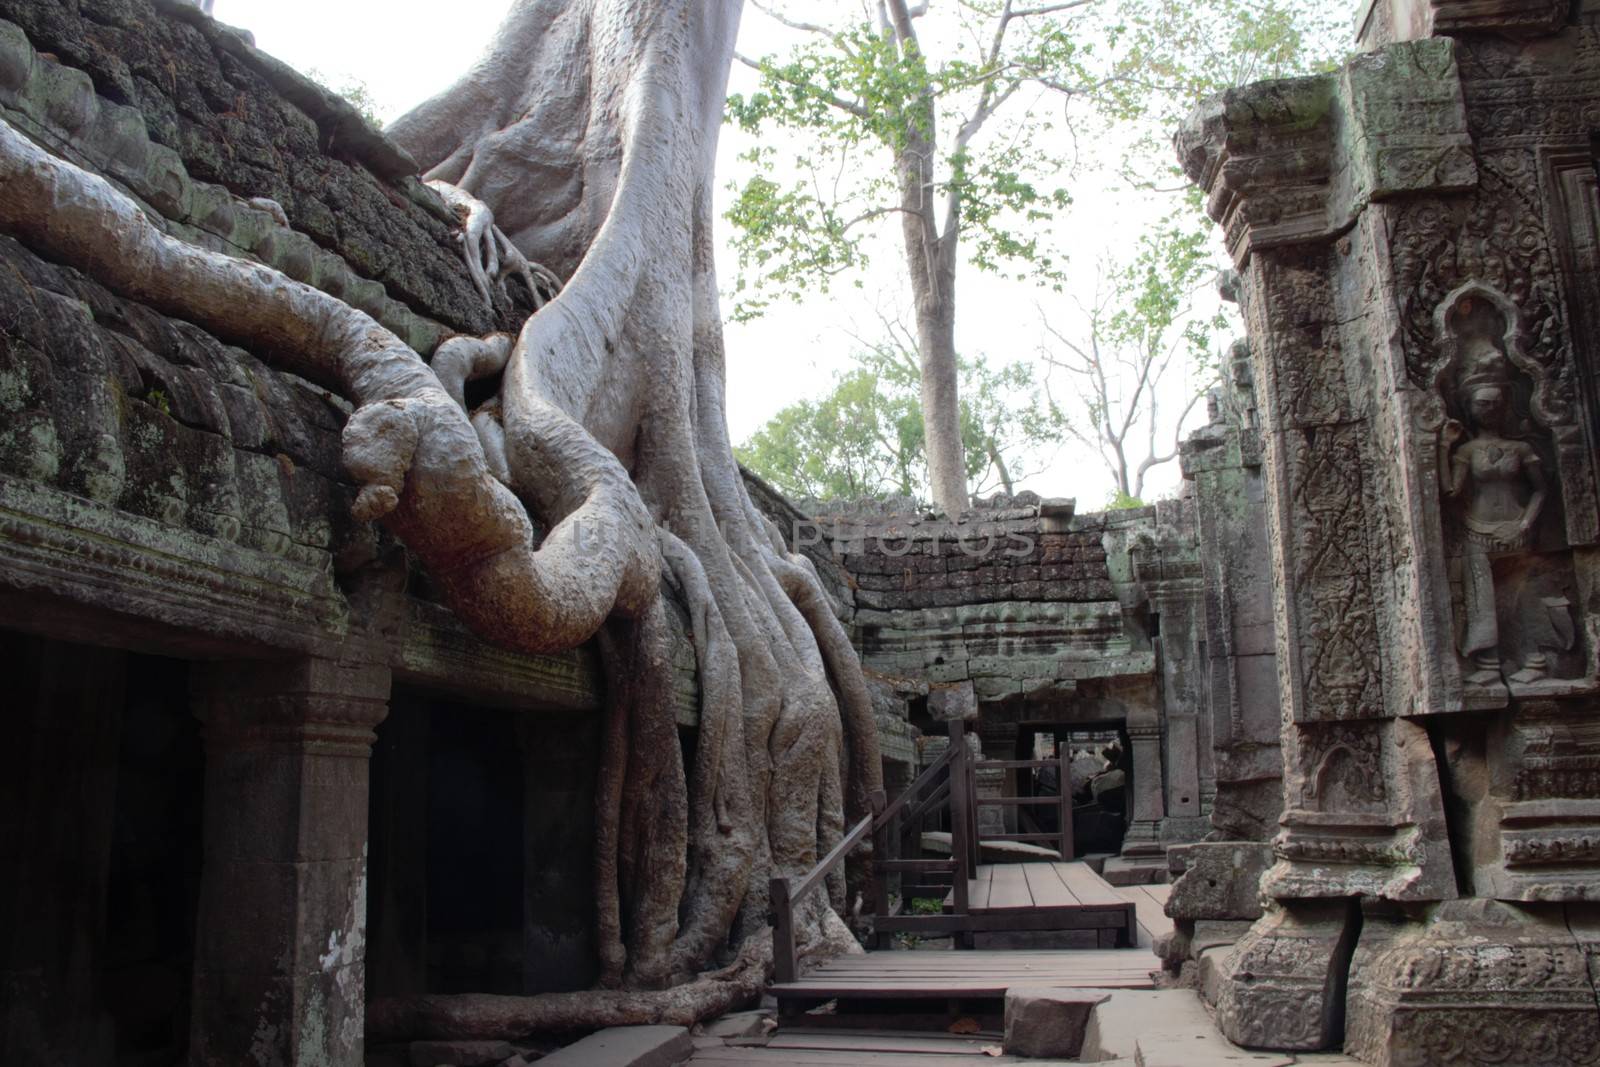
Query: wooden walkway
column 859, row 1048
column 1035, row 897
column 956, row 976
column 1149, row 902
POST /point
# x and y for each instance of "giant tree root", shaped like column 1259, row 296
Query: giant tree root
column 486, row 1016
column 589, row 131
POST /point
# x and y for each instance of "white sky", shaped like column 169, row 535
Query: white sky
column 405, row 51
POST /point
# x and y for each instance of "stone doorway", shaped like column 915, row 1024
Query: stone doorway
column 482, row 830
column 101, row 785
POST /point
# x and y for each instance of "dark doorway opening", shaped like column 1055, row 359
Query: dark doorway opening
column 1100, row 778
column 101, row 781
column 482, row 849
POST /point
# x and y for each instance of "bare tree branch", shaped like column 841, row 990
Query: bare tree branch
column 796, row 24
column 850, row 106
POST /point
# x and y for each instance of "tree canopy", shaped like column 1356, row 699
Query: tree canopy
column 864, row 437
column 968, row 122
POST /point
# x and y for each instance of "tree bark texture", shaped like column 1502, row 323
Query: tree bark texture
column 589, row 128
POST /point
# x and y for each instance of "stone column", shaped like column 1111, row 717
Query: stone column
column 1145, row 805
column 1223, row 461
column 999, row 742
column 280, row 951
column 58, row 784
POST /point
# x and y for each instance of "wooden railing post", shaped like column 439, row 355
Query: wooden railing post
column 880, row 855
column 784, row 965
column 960, row 814
column 970, row 769
column 1065, row 789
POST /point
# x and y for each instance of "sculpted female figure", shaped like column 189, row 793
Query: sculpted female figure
column 1500, row 481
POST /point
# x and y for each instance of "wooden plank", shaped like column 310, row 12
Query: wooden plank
column 1023, row 837
column 754, row 1057
column 1064, row 814
column 924, row 780
column 785, row 958
column 1011, row 764
column 1046, row 887
column 1085, row 961
column 959, row 803
column 1090, row 960
column 1010, row 891
column 978, row 889
column 933, row 1018
column 868, row 1041
column 1153, row 921
column 943, row 989
column 917, row 865
column 1021, row 961
column 932, row 979
column 1003, row 921
column 957, row 960
column 1087, row 886
column 856, row 836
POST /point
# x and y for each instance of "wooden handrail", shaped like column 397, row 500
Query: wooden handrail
column 1019, row 800
column 958, row 788
column 923, row 781
column 928, row 803
column 784, row 895
column 826, row 865
column 1010, row 764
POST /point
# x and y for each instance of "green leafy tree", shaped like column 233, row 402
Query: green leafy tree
column 865, row 438
column 955, row 118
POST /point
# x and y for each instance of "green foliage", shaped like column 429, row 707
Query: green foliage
column 1120, row 501
column 157, row 398
column 864, row 438
column 990, row 119
column 927, row 906
column 355, row 92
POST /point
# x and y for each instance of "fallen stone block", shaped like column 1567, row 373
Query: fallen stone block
column 740, row 1024
column 1221, row 880
column 1043, row 1022
column 626, row 1046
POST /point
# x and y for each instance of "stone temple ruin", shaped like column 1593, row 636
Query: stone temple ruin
column 259, row 777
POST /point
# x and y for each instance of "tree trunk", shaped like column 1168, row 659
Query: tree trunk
column 941, row 399
column 931, row 268
column 589, row 128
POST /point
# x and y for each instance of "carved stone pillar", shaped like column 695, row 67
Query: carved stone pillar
column 1284, row 982
column 1479, row 982
column 1415, row 235
column 280, row 951
column 1223, row 461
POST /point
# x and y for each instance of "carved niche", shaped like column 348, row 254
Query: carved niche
column 1512, row 588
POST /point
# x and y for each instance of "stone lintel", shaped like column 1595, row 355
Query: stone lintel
column 1295, row 161
column 1513, row 18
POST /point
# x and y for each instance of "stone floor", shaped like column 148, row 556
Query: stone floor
column 1143, row 1027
